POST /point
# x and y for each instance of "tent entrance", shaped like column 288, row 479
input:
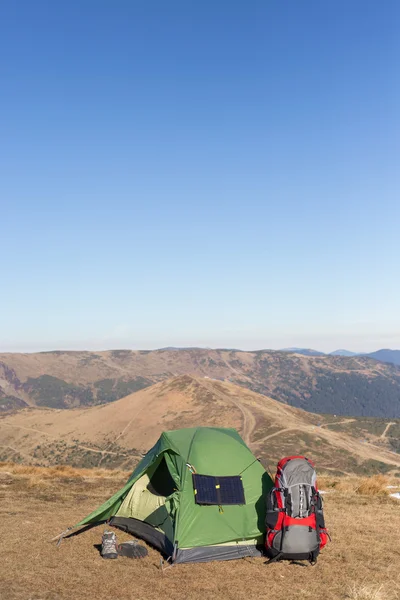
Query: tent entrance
column 148, row 494
column 161, row 482
column 145, row 511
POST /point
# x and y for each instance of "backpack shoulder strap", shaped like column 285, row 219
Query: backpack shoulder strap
column 274, row 559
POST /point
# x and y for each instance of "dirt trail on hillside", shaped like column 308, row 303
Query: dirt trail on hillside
column 384, row 434
column 249, row 421
column 231, row 368
column 338, row 422
column 125, row 429
column 271, row 435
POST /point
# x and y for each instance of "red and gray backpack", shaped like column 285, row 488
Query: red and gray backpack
column 295, row 520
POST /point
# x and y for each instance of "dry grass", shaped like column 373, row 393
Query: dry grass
column 55, row 479
column 61, row 472
column 373, row 486
column 359, row 564
column 369, row 592
column 377, row 485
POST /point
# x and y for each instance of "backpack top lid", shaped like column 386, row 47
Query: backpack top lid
column 286, row 459
column 296, row 470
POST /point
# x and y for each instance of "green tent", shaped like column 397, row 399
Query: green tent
column 197, row 495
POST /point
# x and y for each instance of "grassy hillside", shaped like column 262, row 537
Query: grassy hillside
column 339, row 385
column 43, row 502
column 117, row 434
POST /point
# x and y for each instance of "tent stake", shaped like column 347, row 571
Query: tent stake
column 61, row 535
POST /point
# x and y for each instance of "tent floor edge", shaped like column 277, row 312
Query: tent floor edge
column 223, row 552
column 146, row 532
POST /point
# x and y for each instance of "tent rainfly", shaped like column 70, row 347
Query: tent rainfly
column 197, row 495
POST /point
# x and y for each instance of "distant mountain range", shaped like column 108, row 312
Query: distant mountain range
column 304, row 351
column 342, row 352
column 354, row 386
column 385, row 355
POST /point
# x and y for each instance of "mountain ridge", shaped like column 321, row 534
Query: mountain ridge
column 357, row 386
column 385, row 355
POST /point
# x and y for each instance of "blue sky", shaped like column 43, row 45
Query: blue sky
column 210, row 173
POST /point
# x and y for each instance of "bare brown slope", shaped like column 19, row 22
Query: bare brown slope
column 134, row 422
column 117, row 434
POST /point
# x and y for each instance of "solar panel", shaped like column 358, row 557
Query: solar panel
column 218, row 490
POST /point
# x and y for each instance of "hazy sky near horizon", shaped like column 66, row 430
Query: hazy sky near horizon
column 213, row 173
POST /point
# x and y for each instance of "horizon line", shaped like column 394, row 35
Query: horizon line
column 289, row 350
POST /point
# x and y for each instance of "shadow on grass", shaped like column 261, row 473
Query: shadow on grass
column 83, row 529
